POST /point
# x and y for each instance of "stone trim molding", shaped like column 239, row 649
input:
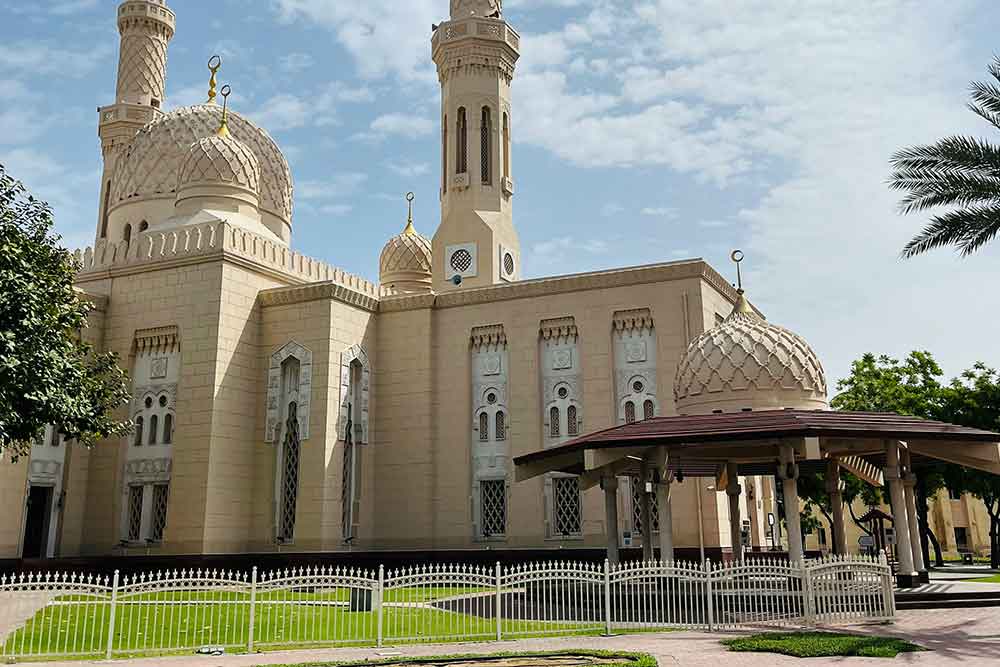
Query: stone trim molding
column 272, row 431
column 640, row 319
column 283, row 296
column 488, row 336
column 147, row 471
column 559, row 328
column 347, row 357
column 158, row 339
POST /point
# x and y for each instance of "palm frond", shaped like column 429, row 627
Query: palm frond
column 968, row 229
column 924, row 193
column 951, row 155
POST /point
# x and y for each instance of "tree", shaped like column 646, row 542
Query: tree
column 48, row 373
column 974, row 400
column 962, row 173
column 908, row 387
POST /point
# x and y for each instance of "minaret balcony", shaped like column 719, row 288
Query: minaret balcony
column 480, row 29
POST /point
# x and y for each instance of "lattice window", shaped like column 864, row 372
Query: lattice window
column 461, row 143
column 347, row 491
column 648, row 410
column 484, row 427
column 134, row 513
column 290, row 455
column 168, row 429
column 461, row 260
column 629, row 412
column 154, row 424
column 444, row 155
column 566, row 492
column 127, row 234
column 572, row 428
column 638, row 489
column 506, row 145
column 486, row 147
column 137, row 439
column 501, row 426
column 161, row 493
column 554, row 423
column 493, row 502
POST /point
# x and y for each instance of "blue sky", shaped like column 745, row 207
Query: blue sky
column 644, row 132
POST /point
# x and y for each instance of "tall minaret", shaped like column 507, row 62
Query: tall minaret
column 475, row 53
column 146, row 27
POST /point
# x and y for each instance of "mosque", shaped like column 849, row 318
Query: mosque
column 281, row 404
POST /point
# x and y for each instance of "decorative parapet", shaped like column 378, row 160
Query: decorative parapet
column 489, row 336
column 159, row 339
column 283, row 296
column 558, row 328
column 211, row 240
column 639, row 319
column 475, row 44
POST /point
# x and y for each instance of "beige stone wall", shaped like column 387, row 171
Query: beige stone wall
column 13, row 484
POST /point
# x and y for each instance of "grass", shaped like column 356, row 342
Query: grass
column 995, row 579
column 608, row 658
column 174, row 622
column 822, row 645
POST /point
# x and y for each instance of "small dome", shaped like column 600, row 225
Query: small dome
column 747, row 363
column 405, row 264
column 220, row 160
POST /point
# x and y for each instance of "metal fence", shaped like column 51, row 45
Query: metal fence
column 63, row 615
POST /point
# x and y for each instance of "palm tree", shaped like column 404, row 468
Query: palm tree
column 960, row 172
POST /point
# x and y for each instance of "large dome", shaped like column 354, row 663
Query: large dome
column 747, row 363
column 151, row 166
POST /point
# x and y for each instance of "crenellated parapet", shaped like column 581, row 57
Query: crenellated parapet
column 211, row 240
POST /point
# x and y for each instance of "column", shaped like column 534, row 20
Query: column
column 610, row 485
column 733, row 490
column 666, row 519
column 645, row 515
column 909, row 492
column 789, row 474
column 904, row 550
column 836, row 505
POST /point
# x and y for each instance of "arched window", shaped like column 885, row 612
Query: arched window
column 153, row 424
column 554, row 423
column 629, row 412
column 444, row 155
column 484, row 427
column 137, row 441
column 54, row 437
column 486, row 147
column 104, row 213
column 168, row 429
column 571, row 426
column 127, row 234
column 290, row 453
column 501, row 426
column 461, row 143
column 506, row 146
column 648, row 409
column 143, row 226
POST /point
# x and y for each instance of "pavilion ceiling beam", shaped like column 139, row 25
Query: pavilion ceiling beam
column 863, row 470
column 598, row 458
column 592, row 478
column 978, row 455
column 556, row 463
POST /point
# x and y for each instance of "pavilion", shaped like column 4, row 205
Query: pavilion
column 752, row 401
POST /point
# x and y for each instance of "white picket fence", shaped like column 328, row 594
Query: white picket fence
column 64, row 615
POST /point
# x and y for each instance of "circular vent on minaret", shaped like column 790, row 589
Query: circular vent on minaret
column 461, row 260
column 508, row 264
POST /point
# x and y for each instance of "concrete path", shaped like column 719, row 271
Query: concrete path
column 967, row 637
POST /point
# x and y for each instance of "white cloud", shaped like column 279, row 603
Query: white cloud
column 335, row 186
column 659, row 211
column 35, row 58
column 397, row 124
column 296, row 62
column 410, row 169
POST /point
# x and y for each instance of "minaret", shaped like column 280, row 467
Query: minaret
column 146, row 27
column 475, row 53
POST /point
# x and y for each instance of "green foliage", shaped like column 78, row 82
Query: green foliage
column 822, row 645
column 48, row 374
column 962, row 173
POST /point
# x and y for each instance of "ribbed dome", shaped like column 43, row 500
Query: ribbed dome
column 747, row 363
column 405, row 263
column 151, row 166
column 220, row 160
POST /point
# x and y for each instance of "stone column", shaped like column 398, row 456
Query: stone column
column 610, row 486
column 909, row 487
column 836, row 505
column 789, row 474
column 733, row 490
column 666, row 519
column 904, row 550
column 645, row 515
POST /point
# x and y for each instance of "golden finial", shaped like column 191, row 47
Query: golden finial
column 410, row 230
column 214, row 63
column 742, row 305
column 224, row 126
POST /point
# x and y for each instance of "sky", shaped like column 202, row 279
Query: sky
column 643, row 132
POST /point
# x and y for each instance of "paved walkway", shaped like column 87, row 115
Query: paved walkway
column 967, row 637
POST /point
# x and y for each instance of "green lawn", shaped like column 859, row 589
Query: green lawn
column 822, row 645
column 995, row 579
column 180, row 621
